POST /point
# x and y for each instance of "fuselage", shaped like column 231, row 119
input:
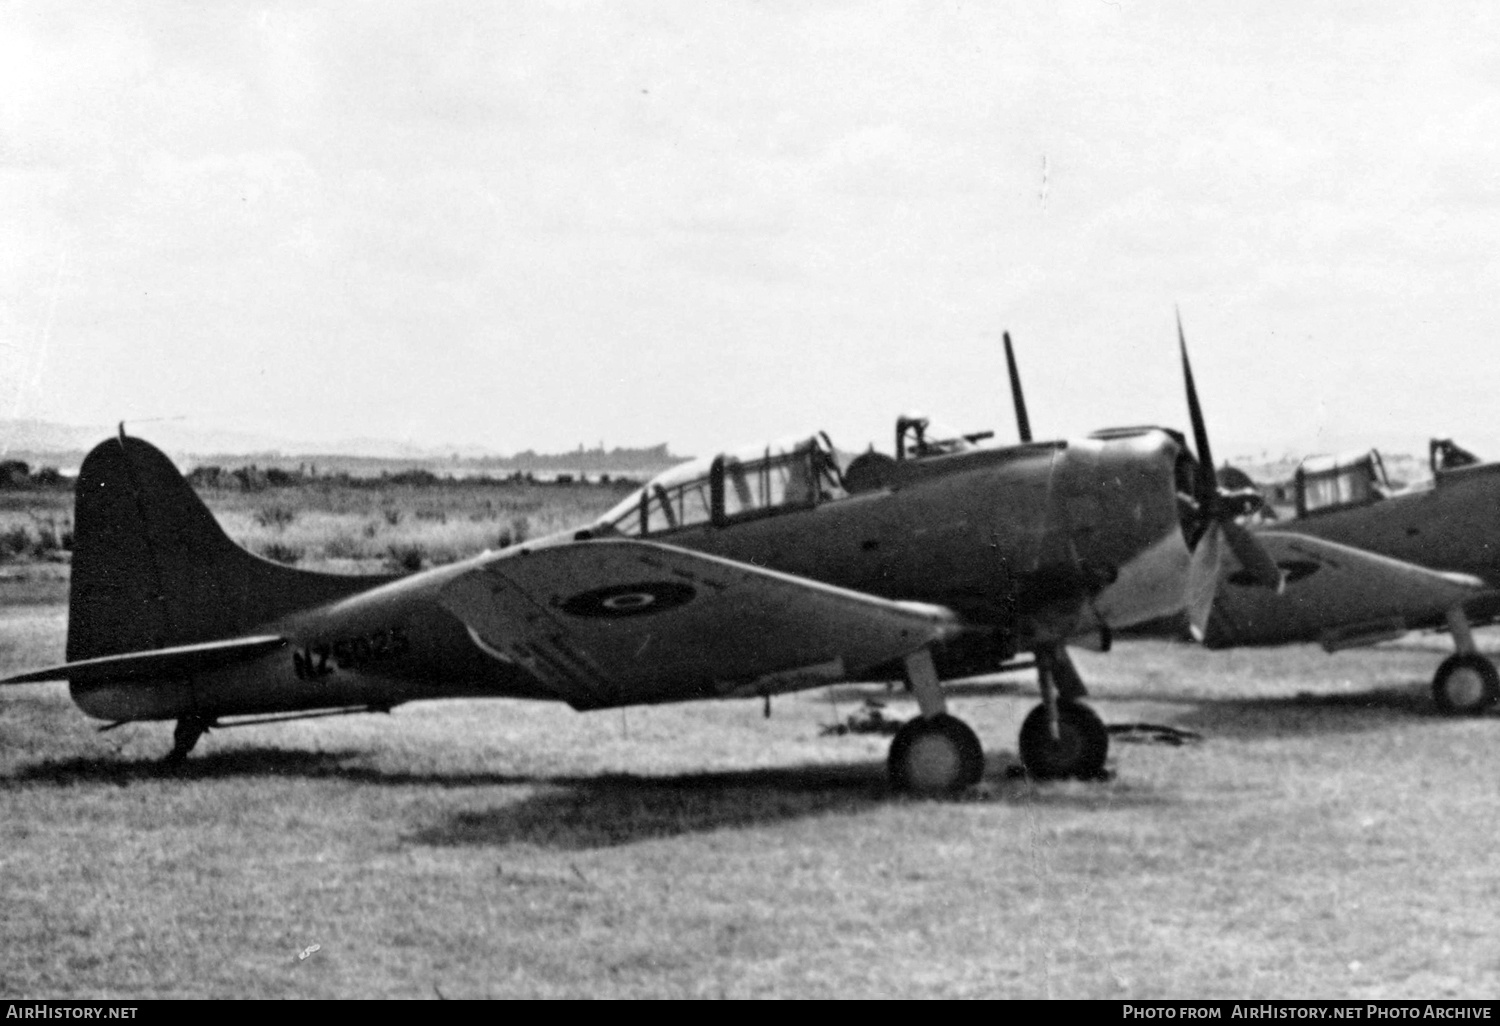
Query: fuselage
column 1011, row 538
column 379, row 647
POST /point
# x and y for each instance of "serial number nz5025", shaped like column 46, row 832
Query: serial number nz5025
column 312, row 662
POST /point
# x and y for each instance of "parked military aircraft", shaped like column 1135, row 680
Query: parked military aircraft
column 747, row 574
column 1360, row 563
column 1426, row 557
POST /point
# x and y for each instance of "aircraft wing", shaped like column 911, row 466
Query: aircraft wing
column 614, row 622
column 1336, row 595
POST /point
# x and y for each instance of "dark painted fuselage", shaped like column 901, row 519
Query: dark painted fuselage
column 1011, row 538
column 1454, row 525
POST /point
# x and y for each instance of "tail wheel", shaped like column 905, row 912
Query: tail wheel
column 935, row 756
column 1466, row 684
column 1079, row 750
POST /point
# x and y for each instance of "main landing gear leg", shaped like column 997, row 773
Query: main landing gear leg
column 1466, row 682
column 935, row 753
column 1062, row 737
column 189, row 730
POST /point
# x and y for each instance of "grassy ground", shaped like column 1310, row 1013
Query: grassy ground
column 1329, row 836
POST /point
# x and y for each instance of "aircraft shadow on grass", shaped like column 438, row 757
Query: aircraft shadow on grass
column 245, row 762
column 1305, row 713
column 578, row 812
column 241, row 763
column 607, row 811
column 582, row 813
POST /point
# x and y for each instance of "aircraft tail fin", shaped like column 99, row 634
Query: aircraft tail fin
column 153, row 569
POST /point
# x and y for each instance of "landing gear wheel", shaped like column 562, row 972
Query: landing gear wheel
column 935, row 756
column 183, row 739
column 1466, row 684
column 1078, row 751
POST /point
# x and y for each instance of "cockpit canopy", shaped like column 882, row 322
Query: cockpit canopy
column 741, row 485
column 1337, row 482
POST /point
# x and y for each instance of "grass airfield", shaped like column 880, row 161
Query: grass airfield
column 1329, row 836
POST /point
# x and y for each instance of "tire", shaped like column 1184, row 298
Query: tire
column 1466, row 684
column 937, row 756
column 1079, row 751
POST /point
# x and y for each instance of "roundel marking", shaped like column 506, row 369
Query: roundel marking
column 642, row 599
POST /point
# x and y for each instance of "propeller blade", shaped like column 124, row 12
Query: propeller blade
column 1216, row 513
column 1023, row 425
column 1203, row 579
column 1206, row 569
column 1253, row 556
column 1208, row 485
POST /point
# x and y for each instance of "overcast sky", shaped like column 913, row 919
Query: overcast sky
column 530, row 225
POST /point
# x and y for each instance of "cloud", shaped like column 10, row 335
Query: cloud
column 707, row 221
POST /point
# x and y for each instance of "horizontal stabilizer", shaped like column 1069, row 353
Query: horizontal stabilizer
column 1335, row 594
column 611, row 622
column 155, row 664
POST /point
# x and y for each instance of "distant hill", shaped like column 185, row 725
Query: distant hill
column 62, row 445
column 19, row 437
column 588, row 463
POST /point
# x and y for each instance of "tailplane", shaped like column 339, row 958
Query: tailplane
column 153, row 569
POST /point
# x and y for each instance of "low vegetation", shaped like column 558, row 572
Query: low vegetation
column 36, row 513
column 400, row 522
column 403, row 527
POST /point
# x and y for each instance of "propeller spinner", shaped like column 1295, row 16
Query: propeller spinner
column 1213, row 523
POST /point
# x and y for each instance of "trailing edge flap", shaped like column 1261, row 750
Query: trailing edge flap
column 1331, row 590
column 156, row 664
column 611, row 622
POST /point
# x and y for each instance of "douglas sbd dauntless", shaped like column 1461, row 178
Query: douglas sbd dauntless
column 1367, row 563
column 751, row 573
